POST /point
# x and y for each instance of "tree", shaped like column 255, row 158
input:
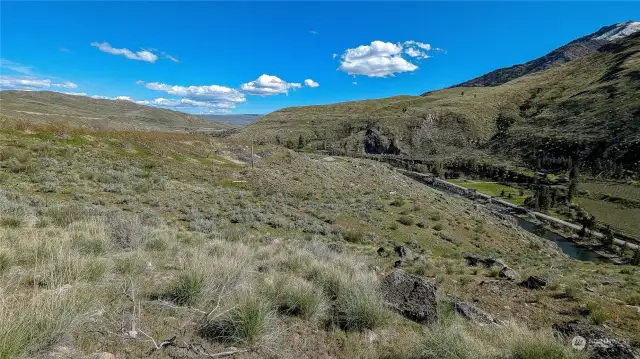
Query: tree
column 278, row 141
column 607, row 240
column 502, row 193
column 300, row 142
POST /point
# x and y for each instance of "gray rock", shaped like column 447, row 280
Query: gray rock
column 534, row 282
column 402, row 251
column 509, row 273
column 600, row 343
column 413, row 297
column 471, row 313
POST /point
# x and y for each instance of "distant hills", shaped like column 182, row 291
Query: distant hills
column 235, row 120
column 83, row 111
column 571, row 51
column 587, row 108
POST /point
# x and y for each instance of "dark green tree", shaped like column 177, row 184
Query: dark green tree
column 300, row 142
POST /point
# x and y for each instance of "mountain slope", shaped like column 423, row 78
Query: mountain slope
column 236, row 120
column 571, row 51
column 586, row 108
column 83, row 111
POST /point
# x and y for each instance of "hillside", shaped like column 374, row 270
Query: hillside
column 571, row 51
column 235, row 120
column 586, row 108
column 83, row 111
column 115, row 242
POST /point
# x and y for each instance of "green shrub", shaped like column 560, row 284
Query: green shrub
column 188, row 288
column 157, row 244
column 538, row 347
column 596, row 313
column 358, row 306
column 571, row 291
column 435, row 216
column 87, row 245
column 398, row 202
column 94, row 270
column 65, row 215
column 353, row 236
column 130, row 264
column 5, row 260
column 296, row 297
column 11, row 222
column 633, row 299
column 438, row 227
column 245, row 323
column 406, row 220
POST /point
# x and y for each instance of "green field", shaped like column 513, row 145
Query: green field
column 622, row 219
column 494, row 189
column 612, row 189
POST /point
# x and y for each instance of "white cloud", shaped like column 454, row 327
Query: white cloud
column 99, row 97
column 16, row 67
column 334, row 56
column 142, row 55
column 67, row 85
column 31, row 83
column 267, row 85
column 415, row 53
column 311, row 83
column 139, row 82
column 422, row 45
column 314, row 32
column 380, row 59
column 124, row 98
column 355, row 82
column 75, row 93
column 211, row 93
column 172, row 58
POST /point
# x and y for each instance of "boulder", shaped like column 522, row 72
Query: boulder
column 534, row 282
column 381, row 252
column 402, row 251
column 508, row 273
column 598, row 342
column 413, row 297
column 474, row 260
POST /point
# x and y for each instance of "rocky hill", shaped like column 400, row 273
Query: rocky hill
column 571, row 51
column 586, row 109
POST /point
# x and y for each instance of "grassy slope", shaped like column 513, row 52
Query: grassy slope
column 576, row 105
column 46, row 106
column 91, row 218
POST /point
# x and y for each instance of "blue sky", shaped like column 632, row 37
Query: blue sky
column 206, row 57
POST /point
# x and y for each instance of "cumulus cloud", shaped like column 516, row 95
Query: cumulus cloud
column 355, row 82
column 16, row 67
column 194, row 98
column 210, row 93
column 31, row 83
column 382, row 59
column 267, row 85
column 311, row 83
column 142, row 55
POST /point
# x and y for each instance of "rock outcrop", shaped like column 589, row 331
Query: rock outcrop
column 413, row 297
column 598, row 342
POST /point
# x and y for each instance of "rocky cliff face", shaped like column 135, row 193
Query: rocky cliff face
column 571, row 51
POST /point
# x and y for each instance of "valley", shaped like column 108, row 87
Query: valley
column 497, row 218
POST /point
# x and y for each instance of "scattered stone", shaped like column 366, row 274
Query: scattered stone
column 381, row 251
column 398, row 263
column 402, row 251
column 534, row 282
column 508, row 273
column 473, row 261
column 329, row 159
column 471, row 313
column 598, row 342
column 413, row 297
